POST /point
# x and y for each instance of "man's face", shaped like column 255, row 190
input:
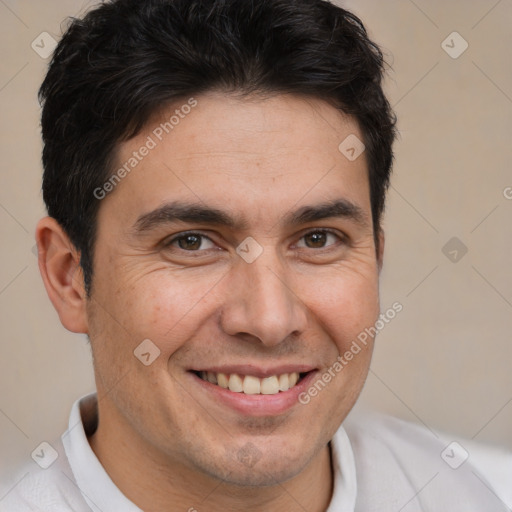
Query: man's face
column 289, row 299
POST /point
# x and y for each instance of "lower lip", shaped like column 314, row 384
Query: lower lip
column 256, row 405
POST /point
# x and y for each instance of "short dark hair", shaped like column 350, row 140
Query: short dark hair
column 126, row 59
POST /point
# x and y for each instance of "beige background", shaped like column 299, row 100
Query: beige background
column 445, row 359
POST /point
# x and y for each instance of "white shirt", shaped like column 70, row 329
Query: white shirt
column 381, row 464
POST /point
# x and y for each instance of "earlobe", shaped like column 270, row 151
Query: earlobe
column 59, row 264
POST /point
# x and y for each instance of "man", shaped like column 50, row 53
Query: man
column 215, row 176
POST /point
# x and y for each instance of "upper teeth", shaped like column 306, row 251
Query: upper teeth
column 252, row 385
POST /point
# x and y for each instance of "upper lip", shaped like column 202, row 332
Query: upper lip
column 256, row 371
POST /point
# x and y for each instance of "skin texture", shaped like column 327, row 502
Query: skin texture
column 165, row 443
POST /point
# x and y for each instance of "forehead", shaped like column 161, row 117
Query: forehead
column 249, row 153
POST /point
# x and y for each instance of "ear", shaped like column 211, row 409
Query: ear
column 59, row 264
column 380, row 253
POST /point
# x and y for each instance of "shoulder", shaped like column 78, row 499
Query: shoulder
column 33, row 487
column 441, row 468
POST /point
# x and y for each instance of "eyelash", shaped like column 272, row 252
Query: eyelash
column 184, row 235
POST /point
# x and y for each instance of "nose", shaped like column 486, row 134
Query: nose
column 262, row 302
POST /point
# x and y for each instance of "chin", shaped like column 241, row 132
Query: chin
column 261, row 475
column 257, row 466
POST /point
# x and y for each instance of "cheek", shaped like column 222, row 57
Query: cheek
column 160, row 303
column 345, row 304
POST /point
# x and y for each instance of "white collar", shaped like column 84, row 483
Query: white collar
column 345, row 482
column 101, row 493
column 97, row 488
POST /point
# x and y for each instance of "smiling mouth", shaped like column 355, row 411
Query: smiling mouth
column 251, row 385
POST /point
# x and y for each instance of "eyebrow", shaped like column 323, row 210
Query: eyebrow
column 196, row 213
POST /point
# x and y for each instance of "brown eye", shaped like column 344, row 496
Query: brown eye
column 318, row 239
column 191, row 242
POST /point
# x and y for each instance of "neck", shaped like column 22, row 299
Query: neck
column 155, row 481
